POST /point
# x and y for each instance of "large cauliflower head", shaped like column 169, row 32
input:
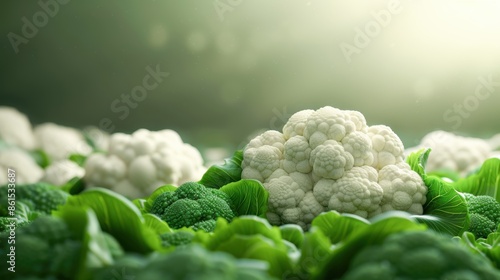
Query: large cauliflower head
column 135, row 165
column 15, row 128
column 330, row 159
column 453, row 152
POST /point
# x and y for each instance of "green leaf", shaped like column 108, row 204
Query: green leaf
column 41, row 158
column 251, row 237
column 485, row 182
column 150, row 200
column 85, row 226
column 383, row 226
column 78, row 159
column 445, row 209
column 417, row 161
column 119, row 217
column 74, row 186
column 219, row 175
column 315, row 250
column 249, row 197
column 293, row 233
column 157, row 224
column 338, row 227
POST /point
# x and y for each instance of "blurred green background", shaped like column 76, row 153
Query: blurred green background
column 238, row 66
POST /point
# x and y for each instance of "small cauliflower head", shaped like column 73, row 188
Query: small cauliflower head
column 26, row 169
column 60, row 172
column 454, row 152
column 330, row 159
column 59, row 142
column 15, row 128
column 138, row 163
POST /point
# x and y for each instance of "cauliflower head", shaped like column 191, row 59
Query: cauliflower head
column 60, row 172
column 453, row 152
column 136, row 164
column 26, row 169
column 330, row 159
column 59, row 142
column 15, row 128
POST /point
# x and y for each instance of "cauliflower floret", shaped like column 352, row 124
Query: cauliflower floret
column 387, row 147
column 263, row 154
column 60, row 172
column 296, row 124
column 403, row 189
column 356, row 192
column 26, row 169
column 137, row 164
column 453, row 152
column 338, row 157
column 327, row 123
column 330, row 160
column 15, row 128
column 59, row 142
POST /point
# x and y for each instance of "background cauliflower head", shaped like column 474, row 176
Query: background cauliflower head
column 135, row 165
column 456, row 153
column 330, row 159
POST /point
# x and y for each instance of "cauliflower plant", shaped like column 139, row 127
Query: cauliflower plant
column 135, row 165
column 330, row 159
column 15, row 128
column 59, row 142
column 455, row 153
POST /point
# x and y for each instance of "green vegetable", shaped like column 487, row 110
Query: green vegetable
column 177, row 238
column 192, row 205
column 445, row 210
column 56, row 247
column 418, row 255
column 189, row 262
column 484, row 214
column 40, row 197
column 219, row 175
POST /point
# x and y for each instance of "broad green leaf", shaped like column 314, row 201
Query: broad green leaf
column 391, row 222
column 251, row 237
column 278, row 259
column 293, row 233
column 417, row 161
column 338, row 227
column 157, row 224
column 249, row 197
column 445, row 209
column 246, row 226
column 219, row 175
column 85, row 226
column 485, row 182
column 140, row 203
column 315, row 250
column 150, row 200
column 119, row 217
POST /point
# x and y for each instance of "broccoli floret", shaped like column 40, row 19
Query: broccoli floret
column 39, row 197
column 418, row 255
column 484, row 214
column 177, row 238
column 193, row 205
column 44, row 248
